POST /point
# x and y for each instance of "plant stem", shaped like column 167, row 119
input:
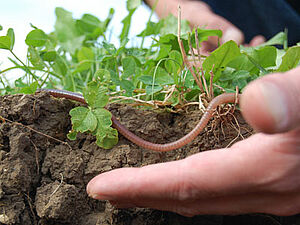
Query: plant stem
column 31, row 68
column 25, row 67
column 185, row 60
column 149, row 20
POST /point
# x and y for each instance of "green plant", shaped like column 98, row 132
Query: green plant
column 78, row 56
column 94, row 118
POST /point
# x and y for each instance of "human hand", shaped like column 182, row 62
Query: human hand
column 259, row 174
column 199, row 14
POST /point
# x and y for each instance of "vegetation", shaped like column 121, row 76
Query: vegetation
column 78, row 56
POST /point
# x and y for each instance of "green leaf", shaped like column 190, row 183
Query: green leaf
column 83, row 119
column 189, row 81
column 91, row 26
column 153, row 89
column 5, row 42
column 49, row 56
column 31, row 89
column 162, row 78
column 170, row 26
column 11, row 35
column 152, row 28
column 290, row 60
column 88, row 23
column 82, row 66
column 96, row 95
column 1, row 28
column 72, row 135
column 133, row 4
column 278, row 39
column 235, row 75
column 129, row 67
column 203, row 35
column 34, row 58
column 60, row 66
column 110, row 48
column 242, row 62
column 65, row 28
column 67, row 32
column 36, row 38
column 174, row 64
column 192, row 94
column 265, row 56
column 85, row 57
column 128, row 86
column 109, row 17
column 103, row 117
column 107, row 137
column 219, row 58
column 110, row 63
column 102, row 75
column 126, row 26
column 169, row 42
column 85, row 53
column 146, row 79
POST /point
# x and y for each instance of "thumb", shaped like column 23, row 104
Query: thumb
column 271, row 104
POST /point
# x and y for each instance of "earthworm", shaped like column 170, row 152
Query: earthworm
column 221, row 99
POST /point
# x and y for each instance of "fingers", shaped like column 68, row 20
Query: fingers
column 271, row 104
column 162, row 181
column 200, row 15
column 257, row 40
column 243, row 179
column 206, row 175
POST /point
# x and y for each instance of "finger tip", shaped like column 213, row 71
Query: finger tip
column 232, row 33
column 254, row 109
column 91, row 189
column 101, row 187
column 111, row 185
column 257, row 40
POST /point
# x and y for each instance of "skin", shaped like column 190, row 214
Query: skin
column 199, row 14
column 259, row 174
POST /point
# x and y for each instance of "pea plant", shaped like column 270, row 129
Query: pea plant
column 79, row 57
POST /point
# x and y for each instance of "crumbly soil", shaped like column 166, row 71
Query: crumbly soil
column 43, row 175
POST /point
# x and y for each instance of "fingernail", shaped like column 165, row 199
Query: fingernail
column 95, row 195
column 276, row 104
column 232, row 34
column 98, row 196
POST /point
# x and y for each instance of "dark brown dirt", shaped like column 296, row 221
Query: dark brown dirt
column 43, row 175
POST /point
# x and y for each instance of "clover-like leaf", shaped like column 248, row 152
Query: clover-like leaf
column 11, row 35
column 5, row 42
column 129, row 66
column 133, row 4
column 36, row 38
column 290, row 60
column 72, row 135
column 83, row 119
column 96, row 95
column 103, row 117
column 107, row 137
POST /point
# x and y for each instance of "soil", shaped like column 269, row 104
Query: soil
column 43, row 175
